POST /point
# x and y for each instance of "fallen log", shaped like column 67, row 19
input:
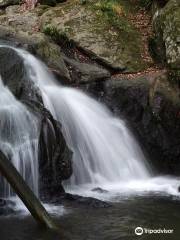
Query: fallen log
column 25, row 194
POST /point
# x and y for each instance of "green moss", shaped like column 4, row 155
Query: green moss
column 102, row 27
column 55, row 34
column 167, row 31
column 113, row 16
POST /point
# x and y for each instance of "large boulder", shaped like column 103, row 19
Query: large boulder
column 54, row 155
column 54, row 158
column 102, row 32
column 39, row 45
column 166, row 43
column 15, row 76
column 152, row 108
column 85, row 72
column 22, row 28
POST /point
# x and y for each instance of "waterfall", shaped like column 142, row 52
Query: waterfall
column 104, row 150
column 18, row 139
column 105, row 153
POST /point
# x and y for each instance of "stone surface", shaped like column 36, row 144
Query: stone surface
column 84, row 72
column 21, row 21
column 15, row 77
column 99, row 190
column 54, row 158
column 38, row 44
column 79, row 200
column 166, row 43
column 22, row 28
column 152, row 108
column 114, row 43
column 5, row 3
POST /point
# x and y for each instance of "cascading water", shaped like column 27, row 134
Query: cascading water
column 105, row 154
column 104, row 151
column 18, row 139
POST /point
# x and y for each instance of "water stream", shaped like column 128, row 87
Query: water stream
column 18, row 139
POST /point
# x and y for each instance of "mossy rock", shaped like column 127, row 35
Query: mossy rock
column 166, row 24
column 99, row 27
column 39, row 45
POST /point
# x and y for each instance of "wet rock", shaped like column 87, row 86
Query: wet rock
column 113, row 42
column 80, row 200
column 152, row 107
column 54, row 158
column 54, row 155
column 15, row 76
column 87, row 201
column 22, row 29
column 99, row 190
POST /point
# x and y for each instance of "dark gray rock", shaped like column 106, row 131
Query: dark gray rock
column 84, row 72
column 99, row 190
column 54, row 156
column 87, row 201
column 79, row 200
column 152, row 109
column 15, row 76
column 39, row 45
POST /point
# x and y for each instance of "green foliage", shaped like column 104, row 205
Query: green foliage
column 114, row 12
column 55, row 34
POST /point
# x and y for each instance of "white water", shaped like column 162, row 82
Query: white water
column 105, row 154
column 19, row 207
column 18, row 139
column 104, row 150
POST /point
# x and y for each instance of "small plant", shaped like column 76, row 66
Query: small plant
column 55, row 34
column 51, row 31
column 114, row 13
